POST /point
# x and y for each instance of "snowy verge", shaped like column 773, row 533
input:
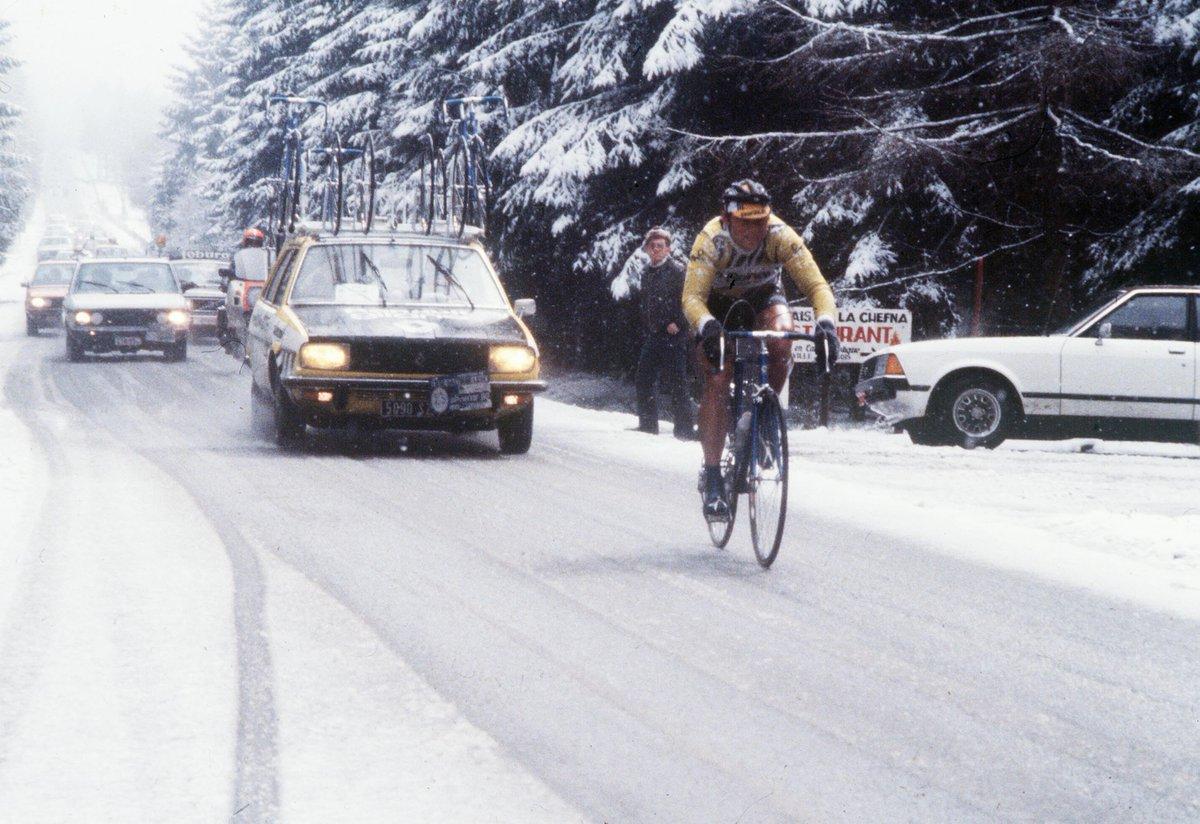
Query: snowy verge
column 1121, row 520
column 21, row 258
column 118, row 692
column 363, row 738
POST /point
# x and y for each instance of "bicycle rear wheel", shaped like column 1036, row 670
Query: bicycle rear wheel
column 767, row 480
column 431, row 180
column 721, row 531
column 365, row 186
column 481, row 190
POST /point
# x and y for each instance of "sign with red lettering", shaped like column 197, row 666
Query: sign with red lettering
column 861, row 331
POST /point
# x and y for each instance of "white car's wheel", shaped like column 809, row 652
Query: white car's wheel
column 976, row 411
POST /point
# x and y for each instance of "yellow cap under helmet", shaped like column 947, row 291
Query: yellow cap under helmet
column 747, row 199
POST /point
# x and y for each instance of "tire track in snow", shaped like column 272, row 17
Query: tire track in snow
column 256, row 784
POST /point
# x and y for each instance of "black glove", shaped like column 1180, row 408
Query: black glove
column 827, row 332
column 710, row 340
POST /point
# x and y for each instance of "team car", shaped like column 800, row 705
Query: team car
column 1125, row 368
column 392, row 330
column 126, row 305
column 204, row 290
column 44, row 294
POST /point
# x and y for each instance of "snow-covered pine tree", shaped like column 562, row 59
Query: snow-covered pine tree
column 14, row 185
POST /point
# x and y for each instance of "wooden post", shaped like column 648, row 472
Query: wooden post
column 977, row 314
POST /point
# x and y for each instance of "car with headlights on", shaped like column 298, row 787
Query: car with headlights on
column 125, row 306
column 44, row 294
column 204, row 289
column 392, row 330
column 1124, row 368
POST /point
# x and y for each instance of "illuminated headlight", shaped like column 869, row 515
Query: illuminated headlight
column 83, row 318
column 324, row 356
column 512, row 359
column 177, row 317
column 38, row 303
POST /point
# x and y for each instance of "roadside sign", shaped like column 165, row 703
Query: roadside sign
column 861, row 331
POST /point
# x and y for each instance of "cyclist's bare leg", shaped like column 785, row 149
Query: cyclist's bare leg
column 714, row 408
column 777, row 317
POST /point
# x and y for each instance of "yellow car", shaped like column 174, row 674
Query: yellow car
column 391, row 330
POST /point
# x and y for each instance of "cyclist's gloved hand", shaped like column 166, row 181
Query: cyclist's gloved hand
column 710, row 341
column 827, row 332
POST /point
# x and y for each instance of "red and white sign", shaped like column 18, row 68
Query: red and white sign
column 862, row 332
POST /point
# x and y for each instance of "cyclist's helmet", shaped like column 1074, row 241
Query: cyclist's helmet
column 747, row 199
column 253, row 237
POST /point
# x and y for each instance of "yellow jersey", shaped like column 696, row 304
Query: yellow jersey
column 717, row 266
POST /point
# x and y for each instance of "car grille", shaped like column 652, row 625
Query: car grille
column 207, row 304
column 437, row 357
column 128, row 317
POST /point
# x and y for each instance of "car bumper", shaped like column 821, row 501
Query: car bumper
column 204, row 321
column 335, row 402
column 104, row 340
column 893, row 398
column 44, row 315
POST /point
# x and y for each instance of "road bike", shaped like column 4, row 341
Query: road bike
column 287, row 207
column 458, row 175
column 754, row 462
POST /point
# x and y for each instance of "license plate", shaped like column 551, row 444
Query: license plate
column 395, row 408
column 160, row 336
column 127, row 340
column 466, row 392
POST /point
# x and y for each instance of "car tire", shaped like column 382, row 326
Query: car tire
column 178, row 351
column 516, row 431
column 289, row 426
column 31, row 327
column 74, row 349
column 976, row 410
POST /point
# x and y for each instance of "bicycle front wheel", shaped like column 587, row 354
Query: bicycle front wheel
column 459, row 190
column 767, row 480
column 721, row 531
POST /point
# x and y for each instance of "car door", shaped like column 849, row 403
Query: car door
column 260, row 335
column 1138, row 360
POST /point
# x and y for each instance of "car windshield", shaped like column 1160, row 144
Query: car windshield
column 380, row 274
column 53, row 274
column 125, row 278
column 200, row 272
column 1091, row 309
column 56, row 241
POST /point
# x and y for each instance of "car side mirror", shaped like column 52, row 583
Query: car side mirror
column 525, row 307
column 24, row 284
column 187, row 284
column 1104, row 333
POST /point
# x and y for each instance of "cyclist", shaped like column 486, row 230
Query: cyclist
column 253, row 238
column 734, row 277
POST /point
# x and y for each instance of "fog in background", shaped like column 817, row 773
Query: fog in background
column 94, row 80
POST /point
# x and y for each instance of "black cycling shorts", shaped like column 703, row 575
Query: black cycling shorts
column 740, row 313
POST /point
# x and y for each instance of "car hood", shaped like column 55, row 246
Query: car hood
column 103, row 300
column 48, row 291
column 982, row 346
column 409, row 322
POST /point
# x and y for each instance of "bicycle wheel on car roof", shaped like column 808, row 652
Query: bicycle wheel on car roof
column 431, row 183
column 458, row 188
column 364, row 185
column 767, row 479
column 481, row 189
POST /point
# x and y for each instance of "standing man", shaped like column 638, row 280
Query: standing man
column 665, row 348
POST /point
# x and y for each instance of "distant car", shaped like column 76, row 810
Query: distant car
column 65, row 252
column 392, row 330
column 203, row 287
column 108, row 250
column 125, row 306
column 1126, row 368
column 44, row 294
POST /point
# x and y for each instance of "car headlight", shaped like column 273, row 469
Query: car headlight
column 512, row 359
column 177, row 317
column 324, row 356
column 83, row 318
column 38, row 303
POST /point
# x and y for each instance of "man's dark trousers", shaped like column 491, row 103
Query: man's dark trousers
column 666, row 355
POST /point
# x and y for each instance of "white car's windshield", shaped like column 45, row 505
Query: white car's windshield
column 124, row 278
column 382, row 274
column 53, row 274
column 200, row 272
column 1091, row 309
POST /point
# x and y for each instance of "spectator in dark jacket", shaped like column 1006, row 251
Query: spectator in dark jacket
column 665, row 348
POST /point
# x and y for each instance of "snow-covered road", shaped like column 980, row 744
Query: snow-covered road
column 196, row 624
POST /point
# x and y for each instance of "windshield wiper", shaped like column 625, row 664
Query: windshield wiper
column 452, row 280
column 135, row 285
column 383, row 290
column 107, row 286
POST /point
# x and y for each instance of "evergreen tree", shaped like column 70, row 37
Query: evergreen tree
column 14, row 185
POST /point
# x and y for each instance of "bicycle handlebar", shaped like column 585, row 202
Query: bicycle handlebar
column 473, row 101
column 772, row 334
column 292, row 100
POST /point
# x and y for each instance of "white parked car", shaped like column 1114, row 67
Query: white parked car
column 1126, row 368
